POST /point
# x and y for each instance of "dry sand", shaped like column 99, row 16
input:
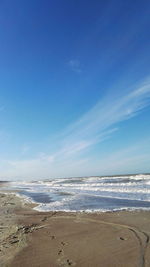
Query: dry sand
column 39, row 239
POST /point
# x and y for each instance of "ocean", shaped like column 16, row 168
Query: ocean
column 89, row 194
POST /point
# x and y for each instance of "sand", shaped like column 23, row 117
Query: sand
column 47, row 239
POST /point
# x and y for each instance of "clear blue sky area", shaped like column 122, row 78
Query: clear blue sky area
column 74, row 88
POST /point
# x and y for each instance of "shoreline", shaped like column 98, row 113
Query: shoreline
column 33, row 238
column 28, row 200
column 86, row 194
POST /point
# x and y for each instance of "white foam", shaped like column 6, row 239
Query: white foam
column 46, row 209
column 129, row 187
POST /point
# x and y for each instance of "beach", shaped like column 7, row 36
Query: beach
column 32, row 238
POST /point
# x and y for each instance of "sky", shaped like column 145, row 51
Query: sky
column 74, row 88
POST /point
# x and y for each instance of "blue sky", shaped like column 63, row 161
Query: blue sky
column 74, row 88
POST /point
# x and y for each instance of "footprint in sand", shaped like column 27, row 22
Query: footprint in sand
column 64, row 243
column 53, row 237
column 122, row 238
column 44, row 219
column 70, row 263
column 61, row 252
column 63, row 261
column 66, row 262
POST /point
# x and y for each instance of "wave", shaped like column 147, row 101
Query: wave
column 87, row 193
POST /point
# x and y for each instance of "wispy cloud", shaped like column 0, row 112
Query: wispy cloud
column 75, row 65
column 121, row 161
column 95, row 126
column 131, row 159
column 102, row 120
column 99, row 122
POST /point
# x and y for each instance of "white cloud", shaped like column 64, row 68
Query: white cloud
column 99, row 122
column 95, row 126
column 129, row 160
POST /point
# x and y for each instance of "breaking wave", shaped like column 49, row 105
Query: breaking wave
column 87, row 193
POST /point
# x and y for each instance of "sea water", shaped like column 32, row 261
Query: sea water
column 87, row 193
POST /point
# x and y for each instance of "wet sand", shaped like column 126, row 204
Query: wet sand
column 47, row 239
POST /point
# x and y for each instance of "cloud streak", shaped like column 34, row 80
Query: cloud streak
column 95, row 126
column 100, row 121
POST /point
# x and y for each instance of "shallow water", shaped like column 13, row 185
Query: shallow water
column 88, row 193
